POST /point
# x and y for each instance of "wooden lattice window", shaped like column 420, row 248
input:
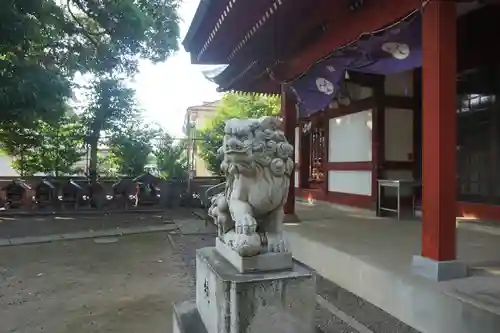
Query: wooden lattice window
column 475, row 103
column 475, row 136
column 317, row 156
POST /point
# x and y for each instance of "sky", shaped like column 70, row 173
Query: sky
column 164, row 91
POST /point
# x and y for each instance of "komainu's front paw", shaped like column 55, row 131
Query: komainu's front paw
column 276, row 243
column 247, row 245
column 246, row 225
column 244, row 245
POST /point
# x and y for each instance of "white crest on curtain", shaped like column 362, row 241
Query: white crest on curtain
column 399, row 51
column 325, row 86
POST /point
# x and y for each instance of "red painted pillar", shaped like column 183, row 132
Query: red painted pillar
column 289, row 114
column 304, row 158
column 326, row 145
column 439, row 59
column 298, row 163
column 378, row 138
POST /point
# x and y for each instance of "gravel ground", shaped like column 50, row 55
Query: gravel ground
column 80, row 286
column 186, row 246
column 326, row 322
column 378, row 321
column 130, row 285
column 362, row 311
column 198, row 235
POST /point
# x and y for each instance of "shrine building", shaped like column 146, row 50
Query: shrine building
column 389, row 104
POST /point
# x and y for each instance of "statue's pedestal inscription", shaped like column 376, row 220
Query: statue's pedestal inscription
column 230, row 302
column 248, row 282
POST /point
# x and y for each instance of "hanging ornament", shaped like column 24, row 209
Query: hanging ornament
column 307, row 127
column 355, row 4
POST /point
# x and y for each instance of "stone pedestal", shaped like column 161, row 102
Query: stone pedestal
column 228, row 301
column 235, row 291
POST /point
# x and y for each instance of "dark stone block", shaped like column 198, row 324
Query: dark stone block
column 187, row 318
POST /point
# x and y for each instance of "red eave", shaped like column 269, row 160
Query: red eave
column 345, row 26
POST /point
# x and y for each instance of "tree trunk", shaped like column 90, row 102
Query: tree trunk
column 22, row 161
column 93, row 159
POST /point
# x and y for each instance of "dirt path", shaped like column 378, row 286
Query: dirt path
column 81, row 286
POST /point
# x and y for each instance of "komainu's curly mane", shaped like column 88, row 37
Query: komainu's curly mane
column 262, row 143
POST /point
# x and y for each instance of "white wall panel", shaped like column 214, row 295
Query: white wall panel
column 352, row 182
column 350, row 138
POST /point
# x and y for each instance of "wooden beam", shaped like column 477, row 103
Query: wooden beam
column 354, row 107
column 345, row 26
column 399, row 102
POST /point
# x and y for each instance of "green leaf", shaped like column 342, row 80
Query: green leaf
column 232, row 105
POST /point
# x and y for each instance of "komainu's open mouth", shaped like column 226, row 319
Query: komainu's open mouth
column 236, row 151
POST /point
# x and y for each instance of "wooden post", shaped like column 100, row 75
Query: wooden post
column 326, row 128
column 304, row 157
column 378, row 137
column 289, row 114
column 439, row 58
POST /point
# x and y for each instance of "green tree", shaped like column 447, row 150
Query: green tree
column 106, row 166
column 111, row 106
column 171, row 159
column 121, row 33
column 232, row 105
column 53, row 149
column 45, row 42
column 34, row 84
column 17, row 143
column 131, row 149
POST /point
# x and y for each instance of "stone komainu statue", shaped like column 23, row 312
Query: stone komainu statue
column 258, row 164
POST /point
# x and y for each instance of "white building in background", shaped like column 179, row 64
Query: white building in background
column 196, row 118
column 6, row 169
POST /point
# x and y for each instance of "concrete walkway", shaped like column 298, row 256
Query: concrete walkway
column 371, row 258
column 86, row 234
column 80, row 212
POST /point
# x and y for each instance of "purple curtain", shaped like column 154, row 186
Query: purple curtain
column 393, row 50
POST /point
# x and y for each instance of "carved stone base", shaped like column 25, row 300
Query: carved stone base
column 262, row 262
column 438, row 270
column 230, row 302
column 187, row 318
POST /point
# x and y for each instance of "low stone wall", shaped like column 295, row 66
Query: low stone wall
column 107, row 183
column 173, row 193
